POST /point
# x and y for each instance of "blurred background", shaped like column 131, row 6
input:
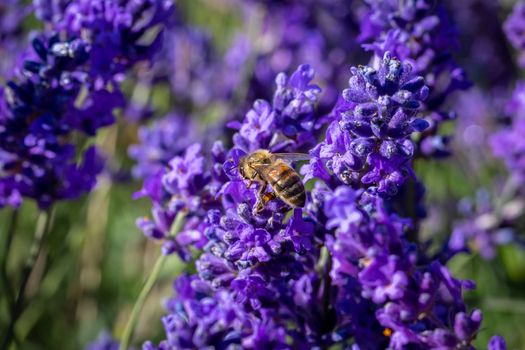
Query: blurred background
column 93, row 264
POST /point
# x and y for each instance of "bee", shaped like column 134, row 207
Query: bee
column 274, row 169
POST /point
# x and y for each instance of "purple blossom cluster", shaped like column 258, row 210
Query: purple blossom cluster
column 12, row 39
column 368, row 142
column 349, row 268
column 319, row 33
column 486, row 224
column 289, row 122
column 417, row 302
column 190, row 183
column 493, row 219
column 69, row 85
column 200, row 317
column 514, row 30
column 340, row 271
column 117, row 31
column 159, row 142
column 277, row 37
column 197, row 73
column 507, row 144
column 419, row 32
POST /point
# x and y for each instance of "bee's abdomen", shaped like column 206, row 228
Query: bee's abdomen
column 287, row 184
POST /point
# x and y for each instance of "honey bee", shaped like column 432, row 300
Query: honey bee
column 272, row 169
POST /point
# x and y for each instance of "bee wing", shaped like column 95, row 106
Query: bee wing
column 291, row 157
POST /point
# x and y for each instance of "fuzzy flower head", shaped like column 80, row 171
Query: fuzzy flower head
column 266, row 279
column 483, row 227
column 160, row 142
column 368, row 246
column 419, row 32
column 12, row 38
column 497, row 343
column 508, row 143
column 247, row 258
column 38, row 114
column 369, row 142
column 321, row 33
column 200, row 318
column 514, row 28
column 184, row 185
column 289, row 122
column 117, row 30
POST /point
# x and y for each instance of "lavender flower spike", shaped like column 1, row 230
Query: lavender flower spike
column 368, row 144
column 514, row 28
column 508, row 143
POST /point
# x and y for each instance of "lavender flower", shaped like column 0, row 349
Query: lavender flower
column 38, row 113
column 417, row 306
column 420, row 33
column 191, row 184
column 248, row 259
column 200, row 318
column 160, row 142
column 320, row 33
column 492, row 219
column 104, row 342
column 68, row 85
column 368, row 143
column 185, row 186
column 338, row 272
column 514, row 29
column 507, row 144
column 12, row 40
column 497, row 343
column 483, row 228
column 289, row 122
column 116, row 30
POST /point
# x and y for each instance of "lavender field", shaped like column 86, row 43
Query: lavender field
column 262, row 174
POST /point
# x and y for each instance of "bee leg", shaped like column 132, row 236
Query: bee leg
column 268, row 197
column 260, row 194
column 252, row 179
column 263, row 200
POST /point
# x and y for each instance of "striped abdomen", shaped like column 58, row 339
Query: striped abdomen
column 286, row 183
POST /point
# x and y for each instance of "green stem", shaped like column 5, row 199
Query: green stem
column 148, row 285
column 5, row 255
column 507, row 193
column 42, row 228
